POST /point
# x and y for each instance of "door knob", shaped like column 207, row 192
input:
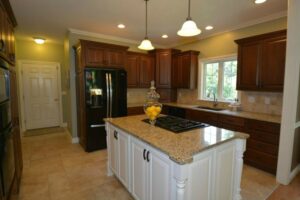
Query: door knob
column 56, row 99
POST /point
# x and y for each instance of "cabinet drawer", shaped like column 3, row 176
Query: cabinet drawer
column 264, row 137
column 139, row 110
column 261, row 160
column 263, row 147
column 206, row 117
column 232, row 123
column 260, row 126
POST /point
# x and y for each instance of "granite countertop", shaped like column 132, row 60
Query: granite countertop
column 244, row 114
column 179, row 147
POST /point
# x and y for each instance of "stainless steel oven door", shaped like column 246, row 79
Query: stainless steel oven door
column 5, row 115
column 4, row 84
column 7, row 161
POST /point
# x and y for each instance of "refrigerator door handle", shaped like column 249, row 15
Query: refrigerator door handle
column 97, row 125
column 111, row 95
column 107, row 95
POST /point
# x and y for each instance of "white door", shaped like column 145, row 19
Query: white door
column 41, row 96
column 139, row 170
column 159, row 176
column 123, row 152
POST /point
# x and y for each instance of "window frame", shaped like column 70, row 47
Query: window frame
column 202, row 72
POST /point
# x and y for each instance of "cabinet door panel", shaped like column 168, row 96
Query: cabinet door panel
column 123, row 152
column 248, row 66
column 224, row 172
column 146, row 71
column 95, row 56
column 185, row 71
column 115, row 58
column 159, row 177
column 132, row 68
column 113, row 151
column 163, row 70
column 273, row 64
column 139, row 171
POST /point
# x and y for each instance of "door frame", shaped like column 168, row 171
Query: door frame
column 21, row 93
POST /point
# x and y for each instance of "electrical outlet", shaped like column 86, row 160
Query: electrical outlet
column 251, row 99
column 267, row 100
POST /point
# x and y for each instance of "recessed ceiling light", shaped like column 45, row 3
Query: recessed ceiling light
column 121, row 26
column 165, row 36
column 209, row 28
column 39, row 40
column 259, row 1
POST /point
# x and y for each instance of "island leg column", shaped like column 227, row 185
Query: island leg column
column 180, row 174
column 180, row 189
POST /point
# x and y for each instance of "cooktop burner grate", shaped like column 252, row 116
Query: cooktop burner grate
column 176, row 124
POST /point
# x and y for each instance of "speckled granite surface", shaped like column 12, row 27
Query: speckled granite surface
column 179, row 147
column 248, row 115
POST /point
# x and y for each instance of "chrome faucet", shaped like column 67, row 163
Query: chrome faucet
column 215, row 99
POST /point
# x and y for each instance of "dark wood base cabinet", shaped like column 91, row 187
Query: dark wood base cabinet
column 262, row 145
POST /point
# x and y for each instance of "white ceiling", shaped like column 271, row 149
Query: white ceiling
column 52, row 18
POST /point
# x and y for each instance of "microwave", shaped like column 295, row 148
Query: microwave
column 4, row 82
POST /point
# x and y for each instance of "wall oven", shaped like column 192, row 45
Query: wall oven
column 7, row 161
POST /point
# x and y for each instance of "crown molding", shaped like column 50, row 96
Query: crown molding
column 108, row 37
column 240, row 26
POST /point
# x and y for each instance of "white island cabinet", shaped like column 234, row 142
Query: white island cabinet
column 151, row 169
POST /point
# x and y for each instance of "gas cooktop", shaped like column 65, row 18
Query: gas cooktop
column 177, row 124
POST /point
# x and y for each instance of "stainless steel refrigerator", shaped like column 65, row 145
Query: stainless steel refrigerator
column 106, row 97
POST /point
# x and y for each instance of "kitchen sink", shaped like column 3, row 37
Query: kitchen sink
column 210, row 108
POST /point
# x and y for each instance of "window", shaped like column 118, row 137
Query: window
column 219, row 79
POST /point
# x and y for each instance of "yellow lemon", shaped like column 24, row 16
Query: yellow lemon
column 158, row 109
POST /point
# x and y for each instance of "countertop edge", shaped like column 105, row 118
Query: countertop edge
column 238, row 135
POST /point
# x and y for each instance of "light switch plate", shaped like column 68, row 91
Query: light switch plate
column 267, row 100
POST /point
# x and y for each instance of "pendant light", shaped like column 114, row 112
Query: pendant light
column 146, row 43
column 189, row 27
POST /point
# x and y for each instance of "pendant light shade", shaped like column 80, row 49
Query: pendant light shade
column 189, row 27
column 146, row 43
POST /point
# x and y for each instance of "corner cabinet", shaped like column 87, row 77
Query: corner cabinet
column 261, row 62
column 140, row 70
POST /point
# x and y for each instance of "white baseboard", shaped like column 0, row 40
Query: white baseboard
column 64, row 125
column 75, row 140
column 294, row 173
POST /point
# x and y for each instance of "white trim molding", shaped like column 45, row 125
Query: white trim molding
column 108, row 37
column 75, row 140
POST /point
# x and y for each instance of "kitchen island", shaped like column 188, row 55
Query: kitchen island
column 156, row 164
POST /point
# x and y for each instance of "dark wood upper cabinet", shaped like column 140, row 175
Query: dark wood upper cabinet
column 132, row 67
column 261, row 62
column 147, row 70
column 7, row 39
column 185, row 67
column 96, row 54
column 164, row 67
column 273, row 63
column 140, row 70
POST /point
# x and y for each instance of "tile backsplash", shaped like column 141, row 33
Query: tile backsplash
column 136, row 96
column 258, row 102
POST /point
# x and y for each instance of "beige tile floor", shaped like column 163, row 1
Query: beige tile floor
column 55, row 169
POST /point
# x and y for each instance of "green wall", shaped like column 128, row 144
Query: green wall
column 49, row 52
column 223, row 44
